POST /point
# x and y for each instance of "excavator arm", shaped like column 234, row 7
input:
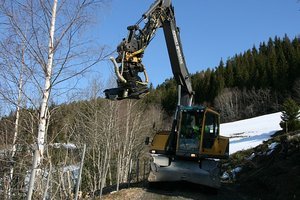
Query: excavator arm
column 128, row 64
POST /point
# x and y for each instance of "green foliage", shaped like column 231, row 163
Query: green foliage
column 168, row 95
column 290, row 116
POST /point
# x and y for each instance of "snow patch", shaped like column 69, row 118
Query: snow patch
column 273, row 145
column 232, row 174
column 225, row 176
column 249, row 133
column 235, row 171
column 271, row 148
column 63, row 145
column 251, row 156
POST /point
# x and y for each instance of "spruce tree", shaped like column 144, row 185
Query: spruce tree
column 290, row 116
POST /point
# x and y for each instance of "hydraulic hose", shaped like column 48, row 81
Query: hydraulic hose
column 120, row 76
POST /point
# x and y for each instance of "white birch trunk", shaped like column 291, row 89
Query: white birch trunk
column 39, row 151
column 80, row 172
column 118, row 170
column 14, row 145
column 16, row 128
column 125, row 161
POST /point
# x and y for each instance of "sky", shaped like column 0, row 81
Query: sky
column 211, row 30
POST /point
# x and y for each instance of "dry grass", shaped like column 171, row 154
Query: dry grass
column 132, row 194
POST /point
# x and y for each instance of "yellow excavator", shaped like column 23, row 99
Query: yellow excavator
column 192, row 149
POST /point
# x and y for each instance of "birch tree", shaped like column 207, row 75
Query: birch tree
column 39, row 151
column 97, row 127
column 135, row 121
column 13, row 78
column 52, row 33
column 17, row 119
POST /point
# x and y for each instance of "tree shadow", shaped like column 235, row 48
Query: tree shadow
column 254, row 138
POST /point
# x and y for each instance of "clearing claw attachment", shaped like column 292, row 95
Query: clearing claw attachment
column 128, row 63
column 130, row 85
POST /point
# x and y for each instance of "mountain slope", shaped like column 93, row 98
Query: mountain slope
column 269, row 171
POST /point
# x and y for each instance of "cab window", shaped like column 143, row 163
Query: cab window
column 211, row 129
column 190, row 131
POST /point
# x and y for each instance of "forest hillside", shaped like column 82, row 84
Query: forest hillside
column 248, row 84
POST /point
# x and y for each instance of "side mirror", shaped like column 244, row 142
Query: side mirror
column 147, row 141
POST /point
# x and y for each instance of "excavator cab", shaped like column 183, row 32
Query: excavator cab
column 198, row 135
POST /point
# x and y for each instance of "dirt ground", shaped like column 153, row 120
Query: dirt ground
column 178, row 191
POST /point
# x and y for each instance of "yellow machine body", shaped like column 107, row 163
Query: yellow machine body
column 197, row 149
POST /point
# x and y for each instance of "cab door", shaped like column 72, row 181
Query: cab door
column 212, row 144
column 189, row 133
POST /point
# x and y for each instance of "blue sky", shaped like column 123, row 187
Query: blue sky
column 210, row 30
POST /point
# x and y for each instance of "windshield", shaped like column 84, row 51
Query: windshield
column 190, row 131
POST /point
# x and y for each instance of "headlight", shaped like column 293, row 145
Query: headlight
column 153, row 151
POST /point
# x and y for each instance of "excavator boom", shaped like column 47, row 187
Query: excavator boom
column 128, row 63
column 187, row 152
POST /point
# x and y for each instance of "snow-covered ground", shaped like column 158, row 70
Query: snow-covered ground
column 249, row 133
